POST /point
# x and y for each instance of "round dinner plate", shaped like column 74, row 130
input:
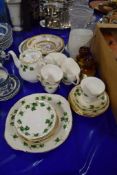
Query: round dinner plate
column 61, row 133
column 35, row 120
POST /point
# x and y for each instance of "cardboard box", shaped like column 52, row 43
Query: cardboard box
column 106, row 58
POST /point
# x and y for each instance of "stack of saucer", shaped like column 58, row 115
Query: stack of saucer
column 38, row 123
column 89, row 104
column 6, row 37
column 35, row 121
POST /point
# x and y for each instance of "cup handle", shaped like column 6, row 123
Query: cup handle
column 77, row 81
column 39, row 77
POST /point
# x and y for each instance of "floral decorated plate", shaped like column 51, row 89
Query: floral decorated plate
column 47, row 43
column 35, row 120
column 63, row 112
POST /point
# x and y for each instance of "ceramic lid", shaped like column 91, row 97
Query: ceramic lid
column 52, row 73
column 35, row 119
column 30, row 56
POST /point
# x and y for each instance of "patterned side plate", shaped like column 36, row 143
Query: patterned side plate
column 61, row 133
column 35, row 120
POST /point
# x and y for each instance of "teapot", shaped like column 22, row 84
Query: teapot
column 29, row 64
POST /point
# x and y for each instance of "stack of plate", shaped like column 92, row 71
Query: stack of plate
column 84, row 108
column 46, row 43
column 6, row 38
column 38, row 123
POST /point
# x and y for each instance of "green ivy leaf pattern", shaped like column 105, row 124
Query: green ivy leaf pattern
column 59, row 103
column 27, row 106
column 15, row 136
column 52, row 116
column 34, row 104
column 42, row 104
column 12, row 123
column 47, row 121
column 41, row 145
column 37, row 134
column 57, row 140
column 34, row 146
column 45, row 130
column 12, row 117
column 27, row 128
column 79, row 94
column 50, row 124
column 31, row 68
column 25, row 144
column 49, row 98
column 85, row 95
column 15, row 111
column 33, row 108
column 21, row 113
column 64, row 126
column 65, row 113
column 43, row 97
column 27, row 134
column 49, row 108
column 102, row 97
column 22, row 102
column 91, row 106
column 19, row 121
column 22, row 128
column 37, row 98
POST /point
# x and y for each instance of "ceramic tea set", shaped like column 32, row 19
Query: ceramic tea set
column 49, row 70
column 41, row 122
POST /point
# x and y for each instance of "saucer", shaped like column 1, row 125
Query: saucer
column 63, row 112
column 12, row 90
column 91, row 110
column 35, row 120
column 46, row 43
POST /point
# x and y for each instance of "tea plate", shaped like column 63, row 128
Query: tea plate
column 61, row 133
column 35, row 120
column 12, row 90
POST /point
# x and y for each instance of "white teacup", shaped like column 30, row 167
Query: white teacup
column 71, row 71
column 56, row 58
column 92, row 88
column 50, row 77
